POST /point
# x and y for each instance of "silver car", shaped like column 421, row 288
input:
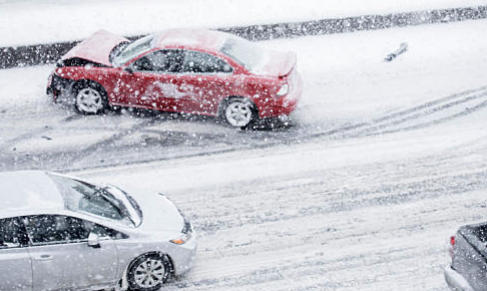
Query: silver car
column 62, row 233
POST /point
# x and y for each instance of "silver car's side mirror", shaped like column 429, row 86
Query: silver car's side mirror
column 93, row 240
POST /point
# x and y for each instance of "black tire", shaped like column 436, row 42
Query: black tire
column 239, row 112
column 90, row 98
column 154, row 278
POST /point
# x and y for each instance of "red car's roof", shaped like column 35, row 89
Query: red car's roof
column 191, row 38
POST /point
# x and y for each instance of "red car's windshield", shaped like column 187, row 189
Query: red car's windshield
column 248, row 54
column 132, row 50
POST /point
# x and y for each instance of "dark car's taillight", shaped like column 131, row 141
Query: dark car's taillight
column 452, row 245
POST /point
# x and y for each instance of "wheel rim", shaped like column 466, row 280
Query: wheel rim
column 149, row 273
column 89, row 100
column 238, row 113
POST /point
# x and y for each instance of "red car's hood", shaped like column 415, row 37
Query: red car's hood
column 96, row 48
column 278, row 64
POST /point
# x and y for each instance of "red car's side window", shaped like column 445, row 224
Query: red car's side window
column 204, row 63
column 162, row 61
column 181, row 61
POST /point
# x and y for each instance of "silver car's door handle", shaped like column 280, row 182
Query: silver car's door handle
column 44, row 258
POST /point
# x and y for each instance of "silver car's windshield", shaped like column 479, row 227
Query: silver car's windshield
column 83, row 197
column 132, row 50
column 248, row 54
column 133, row 208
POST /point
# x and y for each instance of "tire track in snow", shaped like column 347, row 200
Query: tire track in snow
column 334, row 200
column 423, row 115
column 8, row 144
column 451, row 116
column 452, row 107
column 317, row 274
column 61, row 157
column 409, row 115
column 402, row 251
column 377, row 242
column 477, row 98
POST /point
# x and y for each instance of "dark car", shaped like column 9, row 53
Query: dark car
column 468, row 269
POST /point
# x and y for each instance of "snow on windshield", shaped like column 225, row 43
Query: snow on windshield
column 82, row 197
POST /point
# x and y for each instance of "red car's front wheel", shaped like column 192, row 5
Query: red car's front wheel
column 90, row 98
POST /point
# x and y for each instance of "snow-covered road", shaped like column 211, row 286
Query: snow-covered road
column 381, row 163
column 349, row 91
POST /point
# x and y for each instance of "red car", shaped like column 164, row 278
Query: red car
column 180, row 70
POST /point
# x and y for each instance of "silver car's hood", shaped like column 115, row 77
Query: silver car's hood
column 159, row 213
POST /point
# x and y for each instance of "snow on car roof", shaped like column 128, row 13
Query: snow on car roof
column 28, row 193
column 184, row 37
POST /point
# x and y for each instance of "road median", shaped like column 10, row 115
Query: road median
column 30, row 55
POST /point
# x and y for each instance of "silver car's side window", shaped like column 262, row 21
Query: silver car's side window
column 12, row 234
column 54, row 229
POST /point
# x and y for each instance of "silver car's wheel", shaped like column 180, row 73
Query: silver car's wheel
column 239, row 112
column 90, row 98
column 148, row 273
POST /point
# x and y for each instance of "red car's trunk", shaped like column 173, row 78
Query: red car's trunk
column 279, row 64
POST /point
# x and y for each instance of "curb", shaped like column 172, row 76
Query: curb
column 30, row 55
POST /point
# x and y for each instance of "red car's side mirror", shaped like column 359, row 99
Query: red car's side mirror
column 129, row 70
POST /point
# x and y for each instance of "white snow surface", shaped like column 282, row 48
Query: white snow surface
column 37, row 22
column 369, row 208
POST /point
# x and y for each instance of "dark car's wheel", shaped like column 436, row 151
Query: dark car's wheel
column 239, row 112
column 90, row 98
column 148, row 272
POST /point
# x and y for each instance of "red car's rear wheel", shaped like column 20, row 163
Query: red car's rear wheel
column 239, row 112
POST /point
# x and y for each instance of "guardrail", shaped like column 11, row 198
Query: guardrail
column 49, row 53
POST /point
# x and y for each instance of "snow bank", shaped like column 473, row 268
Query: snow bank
column 36, row 22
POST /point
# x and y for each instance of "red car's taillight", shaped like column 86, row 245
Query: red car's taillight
column 452, row 240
